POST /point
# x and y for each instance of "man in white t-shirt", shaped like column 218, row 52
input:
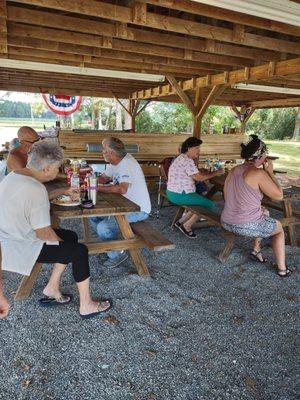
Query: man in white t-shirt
column 128, row 180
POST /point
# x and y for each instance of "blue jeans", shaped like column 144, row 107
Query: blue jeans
column 107, row 228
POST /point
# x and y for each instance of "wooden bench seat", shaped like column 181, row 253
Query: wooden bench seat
column 213, row 220
column 152, row 238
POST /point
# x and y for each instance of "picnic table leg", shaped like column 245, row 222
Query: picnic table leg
column 225, row 253
column 27, row 283
column 127, row 233
column 288, row 212
column 86, row 229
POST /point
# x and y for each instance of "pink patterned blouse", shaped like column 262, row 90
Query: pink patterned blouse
column 180, row 175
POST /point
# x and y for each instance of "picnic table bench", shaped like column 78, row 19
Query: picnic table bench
column 134, row 236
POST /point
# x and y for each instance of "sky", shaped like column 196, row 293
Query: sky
column 18, row 96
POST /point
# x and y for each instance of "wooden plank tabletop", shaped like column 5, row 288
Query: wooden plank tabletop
column 107, row 204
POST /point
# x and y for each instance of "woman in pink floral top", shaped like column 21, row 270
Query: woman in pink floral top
column 182, row 178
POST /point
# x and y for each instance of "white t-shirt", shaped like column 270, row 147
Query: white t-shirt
column 128, row 170
column 24, row 207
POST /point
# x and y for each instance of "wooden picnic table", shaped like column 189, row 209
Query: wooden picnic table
column 291, row 216
column 134, row 236
column 108, row 204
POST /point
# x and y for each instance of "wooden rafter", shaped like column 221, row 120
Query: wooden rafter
column 171, row 24
column 215, row 91
column 184, row 97
column 3, row 28
column 282, row 68
column 227, row 15
column 122, row 31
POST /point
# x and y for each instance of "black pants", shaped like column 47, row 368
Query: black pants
column 68, row 251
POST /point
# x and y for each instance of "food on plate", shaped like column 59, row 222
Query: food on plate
column 64, row 200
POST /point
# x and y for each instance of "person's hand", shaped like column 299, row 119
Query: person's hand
column 4, row 307
column 220, row 171
column 268, row 165
column 74, row 193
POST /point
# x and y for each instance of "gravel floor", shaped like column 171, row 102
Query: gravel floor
column 195, row 330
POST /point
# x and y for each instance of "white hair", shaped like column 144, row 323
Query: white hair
column 44, row 153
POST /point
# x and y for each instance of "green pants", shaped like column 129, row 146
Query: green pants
column 190, row 199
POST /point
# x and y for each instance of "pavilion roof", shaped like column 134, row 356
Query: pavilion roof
column 183, row 39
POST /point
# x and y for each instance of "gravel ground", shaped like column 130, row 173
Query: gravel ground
column 195, row 330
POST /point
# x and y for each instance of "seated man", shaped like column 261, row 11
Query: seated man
column 17, row 157
column 26, row 235
column 129, row 181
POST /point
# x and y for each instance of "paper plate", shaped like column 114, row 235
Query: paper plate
column 65, row 201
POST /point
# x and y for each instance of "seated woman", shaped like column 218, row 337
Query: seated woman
column 27, row 237
column 181, row 188
column 243, row 214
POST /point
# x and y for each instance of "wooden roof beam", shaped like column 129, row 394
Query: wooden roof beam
column 274, row 103
column 49, row 39
column 121, row 31
column 3, row 28
column 227, row 15
column 281, row 69
column 184, row 97
column 171, row 24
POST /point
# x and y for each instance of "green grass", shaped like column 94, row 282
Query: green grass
column 35, row 124
column 289, row 156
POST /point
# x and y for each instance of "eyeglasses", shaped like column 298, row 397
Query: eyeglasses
column 28, row 141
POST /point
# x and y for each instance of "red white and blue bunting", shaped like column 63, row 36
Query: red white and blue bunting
column 61, row 104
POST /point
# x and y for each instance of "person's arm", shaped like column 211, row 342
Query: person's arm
column 121, row 188
column 104, row 178
column 4, row 304
column 204, row 175
column 47, row 234
column 68, row 191
column 268, row 183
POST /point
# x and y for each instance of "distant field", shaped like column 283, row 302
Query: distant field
column 17, row 122
column 289, row 156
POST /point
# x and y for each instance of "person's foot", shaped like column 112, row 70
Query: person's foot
column 257, row 256
column 56, row 294
column 94, row 308
column 284, row 272
column 114, row 262
column 187, row 232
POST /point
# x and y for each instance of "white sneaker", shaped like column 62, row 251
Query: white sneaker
column 114, row 262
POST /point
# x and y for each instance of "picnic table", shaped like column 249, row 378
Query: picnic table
column 133, row 236
column 291, row 216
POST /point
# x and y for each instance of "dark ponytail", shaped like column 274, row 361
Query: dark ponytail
column 250, row 148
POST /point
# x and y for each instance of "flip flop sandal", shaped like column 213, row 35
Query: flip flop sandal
column 94, row 314
column 52, row 301
column 189, row 234
column 255, row 256
column 284, row 273
column 177, row 224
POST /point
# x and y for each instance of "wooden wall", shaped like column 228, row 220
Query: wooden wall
column 152, row 147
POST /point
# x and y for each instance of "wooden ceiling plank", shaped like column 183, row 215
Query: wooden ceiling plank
column 89, row 41
column 162, row 22
column 227, row 15
column 120, row 30
column 289, row 102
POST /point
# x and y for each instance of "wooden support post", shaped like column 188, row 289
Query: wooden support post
column 184, row 97
column 3, row 29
